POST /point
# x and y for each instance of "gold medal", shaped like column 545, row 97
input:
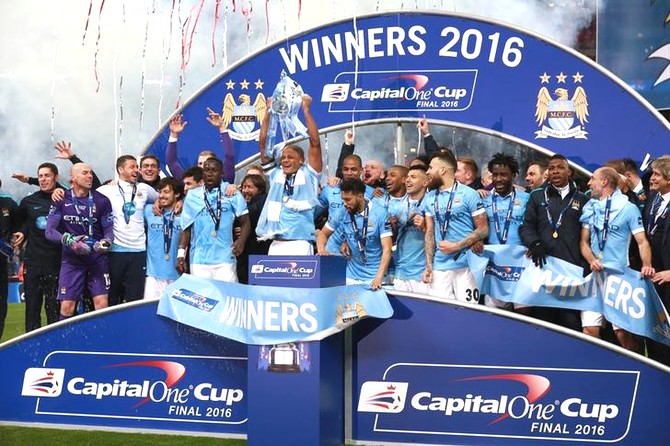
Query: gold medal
column 284, row 198
column 213, row 234
column 167, row 256
column 600, row 256
column 555, row 234
column 127, row 226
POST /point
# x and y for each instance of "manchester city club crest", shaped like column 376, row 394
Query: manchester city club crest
column 350, row 311
column 562, row 116
column 242, row 118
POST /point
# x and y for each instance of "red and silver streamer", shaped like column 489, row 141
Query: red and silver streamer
column 120, row 130
column 188, row 31
column 144, row 68
column 216, row 22
column 97, row 48
column 224, row 49
column 247, row 9
column 54, row 70
column 88, row 18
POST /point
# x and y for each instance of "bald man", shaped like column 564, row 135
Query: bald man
column 609, row 221
column 83, row 223
column 374, row 174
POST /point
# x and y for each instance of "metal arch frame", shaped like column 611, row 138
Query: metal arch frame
column 440, row 122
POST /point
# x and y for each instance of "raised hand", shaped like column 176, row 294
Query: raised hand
column 64, row 150
column 22, row 177
column 349, row 137
column 177, row 125
column 422, row 125
column 214, row 118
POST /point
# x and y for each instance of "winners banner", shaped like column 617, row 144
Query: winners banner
column 269, row 315
column 622, row 296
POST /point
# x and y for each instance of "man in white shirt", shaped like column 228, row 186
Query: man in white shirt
column 128, row 256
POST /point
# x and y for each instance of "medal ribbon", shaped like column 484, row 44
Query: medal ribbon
column 216, row 215
column 126, row 208
column 444, row 223
column 168, row 225
column 288, row 185
column 602, row 239
column 559, row 222
column 362, row 238
column 411, row 209
column 508, row 218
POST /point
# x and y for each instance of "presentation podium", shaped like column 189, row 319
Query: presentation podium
column 296, row 390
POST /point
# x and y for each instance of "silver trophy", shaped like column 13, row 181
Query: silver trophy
column 286, row 103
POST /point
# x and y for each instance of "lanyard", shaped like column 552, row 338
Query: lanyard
column 361, row 238
column 444, row 222
column 215, row 214
column 411, row 209
column 502, row 238
column 90, row 207
column 559, row 221
column 654, row 220
column 168, row 225
column 288, row 187
column 602, row 239
column 128, row 206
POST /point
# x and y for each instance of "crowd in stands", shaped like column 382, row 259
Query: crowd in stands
column 401, row 226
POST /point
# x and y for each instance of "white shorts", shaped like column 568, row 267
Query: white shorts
column 291, row 248
column 412, row 286
column 225, row 272
column 595, row 319
column 493, row 302
column 455, row 284
column 153, row 288
column 357, row 282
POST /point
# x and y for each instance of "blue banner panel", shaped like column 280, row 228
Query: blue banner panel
column 622, row 296
column 255, row 314
column 126, row 367
column 440, row 373
column 303, row 380
column 448, row 68
column 297, row 271
column 137, row 387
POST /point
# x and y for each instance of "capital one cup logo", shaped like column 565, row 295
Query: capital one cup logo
column 43, row 382
column 335, row 92
column 382, row 397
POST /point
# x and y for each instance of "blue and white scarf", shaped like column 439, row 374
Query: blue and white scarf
column 305, row 196
column 594, row 210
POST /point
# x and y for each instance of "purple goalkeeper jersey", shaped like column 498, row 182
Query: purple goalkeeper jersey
column 90, row 215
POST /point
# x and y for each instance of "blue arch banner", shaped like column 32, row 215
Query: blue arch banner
column 448, row 68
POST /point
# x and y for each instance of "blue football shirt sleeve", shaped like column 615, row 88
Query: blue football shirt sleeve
column 634, row 219
column 239, row 204
column 383, row 224
column 427, row 205
column 475, row 204
column 334, row 221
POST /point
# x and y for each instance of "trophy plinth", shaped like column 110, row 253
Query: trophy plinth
column 284, row 358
